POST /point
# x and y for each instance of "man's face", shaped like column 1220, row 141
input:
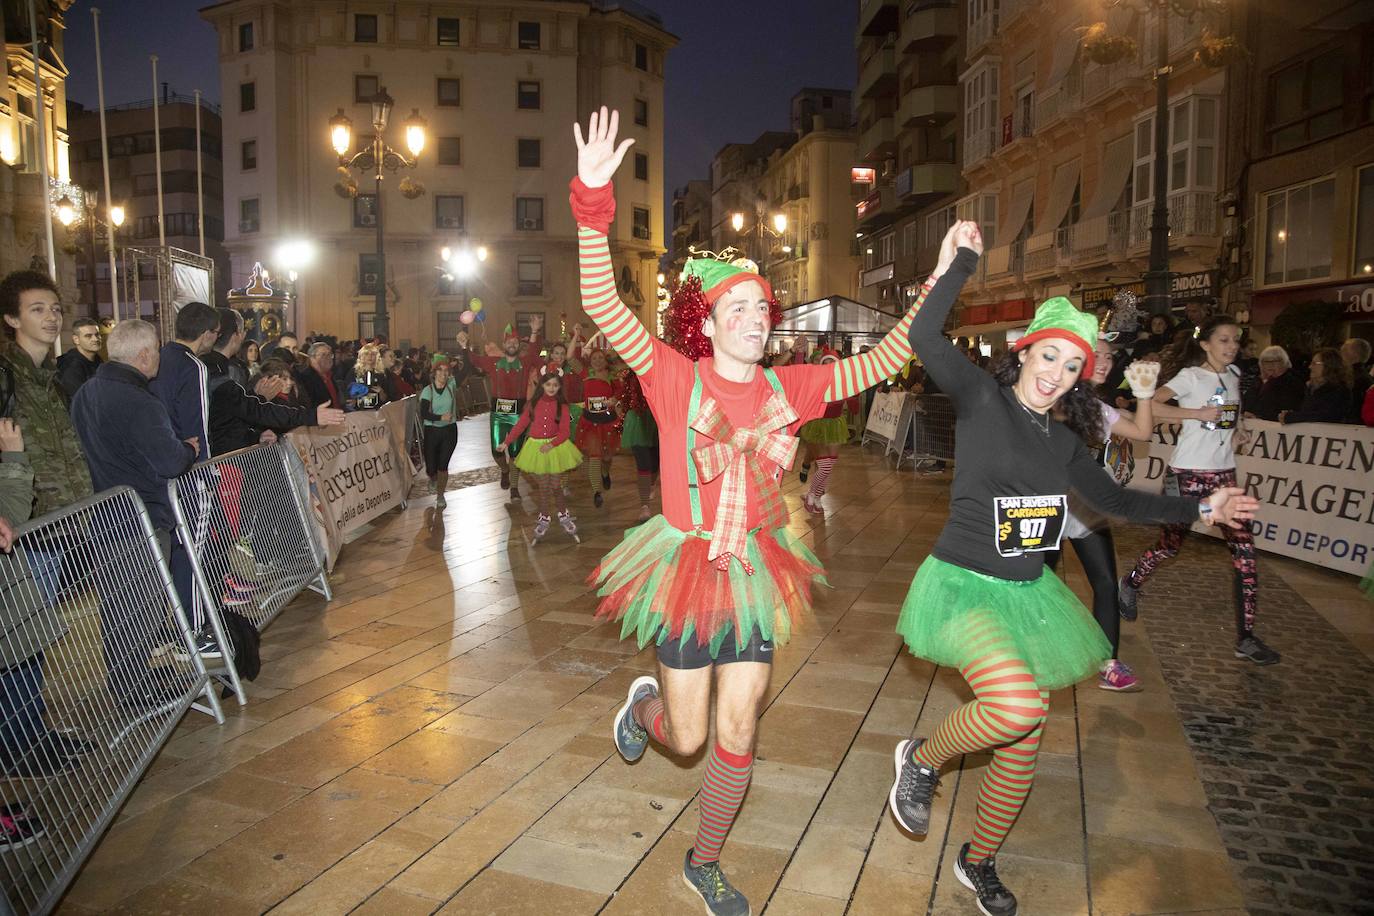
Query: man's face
column 1195, row 311
column 739, row 323
column 388, row 360
column 1348, row 354
column 40, row 317
column 87, row 339
column 323, row 360
column 511, row 347
column 288, row 343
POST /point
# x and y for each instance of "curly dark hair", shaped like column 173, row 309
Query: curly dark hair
column 1190, row 353
column 1077, row 408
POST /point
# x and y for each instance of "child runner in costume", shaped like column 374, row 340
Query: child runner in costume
column 823, row 437
column 438, row 408
column 509, row 375
column 983, row 601
column 547, row 455
column 640, row 434
column 1204, row 459
column 716, row 580
column 563, row 362
column 598, row 437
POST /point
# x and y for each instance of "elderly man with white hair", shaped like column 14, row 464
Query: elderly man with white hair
column 1280, row 387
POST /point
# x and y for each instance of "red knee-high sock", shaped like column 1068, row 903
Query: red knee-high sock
column 646, row 486
column 820, row 476
column 722, row 792
column 649, row 714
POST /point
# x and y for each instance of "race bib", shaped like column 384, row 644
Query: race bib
column 598, row 405
column 1230, row 415
column 1027, row 524
column 505, row 405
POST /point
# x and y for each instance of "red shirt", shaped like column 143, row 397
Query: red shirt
column 546, row 419
column 605, row 389
column 668, row 389
column 334, row 400
column 509, row 382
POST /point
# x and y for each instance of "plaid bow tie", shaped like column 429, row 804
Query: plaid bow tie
column 738, row 454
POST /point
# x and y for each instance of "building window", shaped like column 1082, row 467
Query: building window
column 448, row 211
column 1297, row 232
column 365, row 87
column 642, row 166
column 249, row 155
column 641, row 112
column 450, row 150
column 527, row 95
column 248, row 96
column 367, row 322
column 369, row 274
column 980, row 113
column 527, row 154
column 450, row 323
column 1364, row 223
column 937, row 224
column 446, row 30
column 529, row 275
column 1305, row 101
column 250, row 219
column 1192, row 154
column 527, row 36
column 365, row 211
column 365, row 28
column 641, row 223
column 641, row 57
column 449, row 92
column 529, row 214
column 246, row 36
column 887, row 248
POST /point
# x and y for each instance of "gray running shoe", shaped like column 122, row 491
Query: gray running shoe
column 913, row 789
column 993, row 897
column 1126, row 595
column 630, row 737
column 1250, row 647
column 716, row 891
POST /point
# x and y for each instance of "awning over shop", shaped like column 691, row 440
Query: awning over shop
column 1117, row 159
column 1061, row 196
column 836, row 315
column 1022, row 196
column 973, row 330
column 1065, row 53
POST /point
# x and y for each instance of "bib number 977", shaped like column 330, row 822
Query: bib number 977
column 1027, row 524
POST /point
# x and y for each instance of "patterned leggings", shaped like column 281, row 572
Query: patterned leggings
column 1198, row 484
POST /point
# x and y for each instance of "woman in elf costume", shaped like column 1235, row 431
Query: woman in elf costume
column 823, row 437
column 716, row 580
column 598, row 435
column 639, row 433
column 982, row 601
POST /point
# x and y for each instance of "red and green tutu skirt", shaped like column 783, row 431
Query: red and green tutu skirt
column 639, row 429
column 825, row 431
column 660, row 585
column 954, row 616
column 595, row 438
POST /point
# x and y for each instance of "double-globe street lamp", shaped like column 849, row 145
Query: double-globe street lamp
column 764, row 226
column 72, row 217
column 375, row 158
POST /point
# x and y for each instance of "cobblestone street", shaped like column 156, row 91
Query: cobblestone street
column 436, row 739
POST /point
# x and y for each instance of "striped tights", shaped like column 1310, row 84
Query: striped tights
column 820, row 476
column 594, row 473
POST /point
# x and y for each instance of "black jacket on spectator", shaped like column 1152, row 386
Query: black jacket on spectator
column 313, row 389
column 75, row 370
column 128, row 438
column 1284, row 392
column 238, row 418
column 1357, row 391
column 1324, row 404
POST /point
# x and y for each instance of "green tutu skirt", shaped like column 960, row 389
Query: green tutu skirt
column 557, row 460
column 953, row 616
column 831, row 431
column 639, row 430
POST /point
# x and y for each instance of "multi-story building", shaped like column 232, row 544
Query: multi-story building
column 1059, row 155
column 500, row 84
column 133, row 185
column 908, row 142
column 691, row 221
column 24, row 202
column 1302, row 173
column 736, row 184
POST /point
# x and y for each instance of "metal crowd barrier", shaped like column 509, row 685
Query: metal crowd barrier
column 250, row 542
column 931, row 442
column 97, row 667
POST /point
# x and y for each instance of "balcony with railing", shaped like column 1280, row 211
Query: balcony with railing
column 1192, row 214
column 1041, row 255
column 877, row 209
column 980, row 32
column 1006, row 261
column 878, row 72
column 924, row 104
column 878, row 17
column 1059, row 102
column 1013, row 10
column 1086, row 241
column 979, row 146
column 876, row 138
column 929, row 26
column 915, row 184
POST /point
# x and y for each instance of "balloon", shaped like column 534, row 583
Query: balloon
column 481, row 316
column 466, row 317
column 475, row 305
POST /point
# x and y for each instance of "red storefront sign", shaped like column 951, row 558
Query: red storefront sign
column 1356, row 298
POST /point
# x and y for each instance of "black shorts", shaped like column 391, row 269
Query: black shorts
column 439, row 444
column 687, row 654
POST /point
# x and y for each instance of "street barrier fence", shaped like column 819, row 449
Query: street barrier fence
column 97, row 666
column 919, row 427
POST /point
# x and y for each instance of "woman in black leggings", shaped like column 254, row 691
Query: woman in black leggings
column 438, row 408
column 1091, row 533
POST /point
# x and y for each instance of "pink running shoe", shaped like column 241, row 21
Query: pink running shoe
column 1119, row 677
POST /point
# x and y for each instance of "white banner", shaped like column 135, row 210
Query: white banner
column 884, row 414
column 1315, row 483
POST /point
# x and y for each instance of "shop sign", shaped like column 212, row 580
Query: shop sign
column 1201, row 284
column 1356, row 300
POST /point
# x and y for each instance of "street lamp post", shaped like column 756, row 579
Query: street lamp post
column 67, row 215
column 376, row 158
column 762, row 229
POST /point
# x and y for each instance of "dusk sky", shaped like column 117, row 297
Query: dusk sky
column 731, row 76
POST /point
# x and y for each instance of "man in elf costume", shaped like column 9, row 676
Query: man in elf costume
column 716, row 580
column 509, row 374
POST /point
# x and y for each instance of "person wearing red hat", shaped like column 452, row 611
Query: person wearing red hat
column 982, row 601
column 716, row 580
column 509, row 371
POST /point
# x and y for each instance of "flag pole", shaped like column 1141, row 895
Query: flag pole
column 40, row 108
column 200, row 188
column 105, row 163
column 157, row 158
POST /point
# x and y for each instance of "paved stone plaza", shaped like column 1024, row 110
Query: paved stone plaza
column 437, row 739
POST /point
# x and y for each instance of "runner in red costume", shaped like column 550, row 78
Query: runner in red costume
column 598, row 433
column 509, row 374
column 716, row 580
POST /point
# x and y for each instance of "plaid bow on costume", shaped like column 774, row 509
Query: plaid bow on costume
column 739, row 454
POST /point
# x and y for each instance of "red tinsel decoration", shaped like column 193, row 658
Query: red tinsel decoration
column 685, row 313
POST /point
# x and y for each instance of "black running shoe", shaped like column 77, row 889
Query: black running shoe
column 913, row 789
column 605, row 481
column 805, row 470
column 1251, row 648
column 719, row 895
column 993, row 897
column 597, row 499
column 1126, row 595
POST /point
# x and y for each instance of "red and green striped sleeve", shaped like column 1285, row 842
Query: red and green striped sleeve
column 860, row 372
column 602, row 303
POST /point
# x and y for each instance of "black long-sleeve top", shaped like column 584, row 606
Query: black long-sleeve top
column 1329, row 403
column 1000, row 450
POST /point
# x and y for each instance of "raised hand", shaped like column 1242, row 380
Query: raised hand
column 598, row 157
column 1143, row 378
column 1230, row 506
column 968, row 235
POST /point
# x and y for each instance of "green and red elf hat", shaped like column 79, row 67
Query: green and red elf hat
column 719, row 276
column 509, row 334
column 1058, row 317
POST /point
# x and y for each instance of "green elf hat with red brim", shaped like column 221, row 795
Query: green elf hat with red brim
column 1058, row 317
column 719, row 276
